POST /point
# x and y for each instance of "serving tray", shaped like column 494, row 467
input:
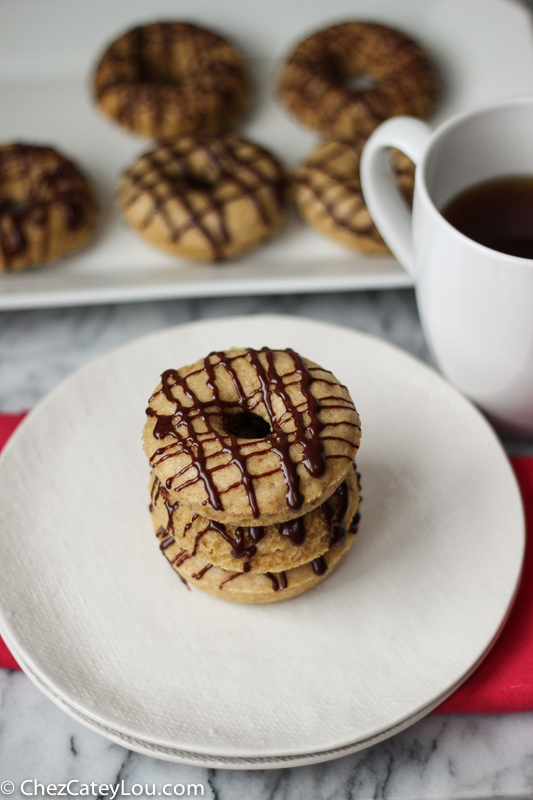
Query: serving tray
column 48, row 49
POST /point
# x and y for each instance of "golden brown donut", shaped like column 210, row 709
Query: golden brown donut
column 313, row 82
column 327, row 190
column 251, row 437
column 205, row 199
column 272, row 548
column 171, row 79
column 47, row 206
column 252, row 587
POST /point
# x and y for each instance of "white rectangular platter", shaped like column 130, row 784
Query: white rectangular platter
column 483, row 50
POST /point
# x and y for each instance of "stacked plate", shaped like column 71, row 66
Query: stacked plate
column 103, row 626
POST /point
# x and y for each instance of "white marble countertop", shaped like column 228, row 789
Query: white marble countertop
column 443, row 756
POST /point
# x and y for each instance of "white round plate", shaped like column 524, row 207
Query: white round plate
column 97, row 615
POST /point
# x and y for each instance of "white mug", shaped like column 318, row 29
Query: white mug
column 475, row 304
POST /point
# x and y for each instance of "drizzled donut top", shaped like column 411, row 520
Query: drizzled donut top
column 171, row 79
column 251, row 437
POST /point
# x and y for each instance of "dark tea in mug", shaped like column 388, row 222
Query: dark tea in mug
column 496, row 213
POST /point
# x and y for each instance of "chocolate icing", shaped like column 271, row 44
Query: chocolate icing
column 273, row 580
column 200, row 574
column 320, row 565
column 334, row 515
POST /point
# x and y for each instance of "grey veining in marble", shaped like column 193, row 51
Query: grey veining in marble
column 440, row 757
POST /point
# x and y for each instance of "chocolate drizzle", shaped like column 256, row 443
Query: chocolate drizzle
column 355, row 523
column 335, row 513
column 320, row 565
column 273, row 580
column 278, row 582
column 294, row 530
column 297, row 436
column 200, row 574
column 231, row 578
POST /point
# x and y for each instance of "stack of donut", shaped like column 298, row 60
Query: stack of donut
column 200, row 194
column 254, row 492
column 342, row 82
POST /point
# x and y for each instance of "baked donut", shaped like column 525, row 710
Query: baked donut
column 252, row 587
column 314, row 81
column 251, row 437
column 47, row 206
column 327, row 190
column 171, row 79
column 205, row 199
column 272, row 548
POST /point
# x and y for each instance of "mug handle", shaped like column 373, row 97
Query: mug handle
column 384, row 202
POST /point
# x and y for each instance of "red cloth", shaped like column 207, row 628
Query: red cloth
column 504, row 681
column 8, row 423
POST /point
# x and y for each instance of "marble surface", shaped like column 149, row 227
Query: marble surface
column 443, row 756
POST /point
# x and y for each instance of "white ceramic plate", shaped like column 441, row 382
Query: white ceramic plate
column 483, row 50
column 91, row 606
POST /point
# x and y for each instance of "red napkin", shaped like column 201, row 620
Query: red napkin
column 8, row 423
column 504, row 681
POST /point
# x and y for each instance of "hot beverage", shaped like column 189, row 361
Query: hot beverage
column 496, row 213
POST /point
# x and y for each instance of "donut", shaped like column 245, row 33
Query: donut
column 171, row 79
column 252, row 587
column 327, row 190
column 251, row 437
column 205, row 199
column 314, row 81
column 273, row 548
column 47, row 206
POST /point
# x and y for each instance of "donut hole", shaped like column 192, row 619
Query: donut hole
column 15, row 188
column 157, row 71
column 246, row 425
column 197, row 183
column 12, row 207
column 360, row 82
